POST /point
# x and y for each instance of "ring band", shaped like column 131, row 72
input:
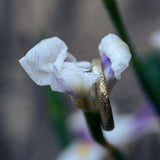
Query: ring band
column 103, row 97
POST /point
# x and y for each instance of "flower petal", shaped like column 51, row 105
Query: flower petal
column 38, row 62
column 77, row 80
column 117, row 51
column 84, row 64
column 74, row 79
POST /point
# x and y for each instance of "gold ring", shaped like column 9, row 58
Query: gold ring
column 103, row 97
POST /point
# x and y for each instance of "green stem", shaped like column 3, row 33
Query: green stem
column 136, row 62
column 119, row 25
column 93, row 121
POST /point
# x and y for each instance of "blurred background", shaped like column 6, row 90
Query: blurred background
column 25, row 130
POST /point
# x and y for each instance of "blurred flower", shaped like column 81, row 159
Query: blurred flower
column 83, row 150
column 130, row 127
column 81, row 130
column 155, row 39
column 127, row 127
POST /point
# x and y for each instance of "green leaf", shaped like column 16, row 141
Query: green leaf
column 57, row 114
column 151, row 74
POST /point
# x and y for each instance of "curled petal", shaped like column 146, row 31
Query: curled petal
column 38, row 62
column 118, row 53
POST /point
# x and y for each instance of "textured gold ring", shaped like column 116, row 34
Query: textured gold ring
column 103, row 97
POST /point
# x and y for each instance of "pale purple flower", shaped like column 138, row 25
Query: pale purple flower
column 80, row 131
column 128, row 127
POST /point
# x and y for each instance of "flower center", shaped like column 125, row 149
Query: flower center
column 83, row 149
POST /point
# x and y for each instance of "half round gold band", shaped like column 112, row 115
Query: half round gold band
column 103, row 97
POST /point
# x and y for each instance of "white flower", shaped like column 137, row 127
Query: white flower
column 49, row 63
column 83, row 150
column 115, row 56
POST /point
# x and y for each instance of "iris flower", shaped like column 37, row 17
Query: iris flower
column 50, row 63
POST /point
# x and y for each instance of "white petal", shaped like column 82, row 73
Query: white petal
column 90, row 79
column 57, row 83
column 117, row 51
column 84, row 64
column 38, row 62
column 75, row 79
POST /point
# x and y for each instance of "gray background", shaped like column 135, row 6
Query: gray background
column 25, row 133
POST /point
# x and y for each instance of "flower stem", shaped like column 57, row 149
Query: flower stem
column 93, row 121
column 136, row 61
